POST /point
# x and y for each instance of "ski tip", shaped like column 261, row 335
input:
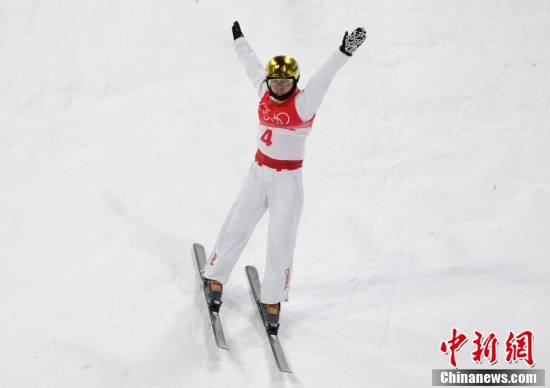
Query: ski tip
column 199, row 249
column 251, row 272
column 221, row 343
column 283, row 366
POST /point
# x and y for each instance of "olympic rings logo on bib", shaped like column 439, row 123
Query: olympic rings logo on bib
column 281, row 118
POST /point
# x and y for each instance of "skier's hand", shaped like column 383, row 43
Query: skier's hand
column 352, row 41
column 237, row 33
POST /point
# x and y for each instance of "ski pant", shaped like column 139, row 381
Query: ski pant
column 264, row 188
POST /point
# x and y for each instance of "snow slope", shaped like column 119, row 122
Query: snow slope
column 126, row 129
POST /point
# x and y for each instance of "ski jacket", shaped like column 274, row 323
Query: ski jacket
column 283, row 127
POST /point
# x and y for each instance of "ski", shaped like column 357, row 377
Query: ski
column 276, row 347
column 200, row 258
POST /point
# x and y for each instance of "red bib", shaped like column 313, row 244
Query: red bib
column 281, row 115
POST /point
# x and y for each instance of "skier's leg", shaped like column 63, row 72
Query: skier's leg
column 246, row 211
column 285, row 199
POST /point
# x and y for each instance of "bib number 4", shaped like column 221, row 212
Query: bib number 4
column 266, row 137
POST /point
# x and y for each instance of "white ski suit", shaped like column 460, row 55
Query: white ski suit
column 274, row 180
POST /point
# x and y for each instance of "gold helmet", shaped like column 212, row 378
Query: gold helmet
column 282, row 66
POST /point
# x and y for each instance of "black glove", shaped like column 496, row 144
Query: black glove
column 351, row 42
column 237, row 33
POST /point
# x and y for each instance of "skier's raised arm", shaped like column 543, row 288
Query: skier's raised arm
column 248, row 58
column 311, row 97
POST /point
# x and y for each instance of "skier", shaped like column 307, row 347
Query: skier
column 274, row 181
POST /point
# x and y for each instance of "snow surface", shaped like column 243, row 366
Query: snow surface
column 127, row 127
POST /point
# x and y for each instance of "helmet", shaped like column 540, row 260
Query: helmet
column 282, row 66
